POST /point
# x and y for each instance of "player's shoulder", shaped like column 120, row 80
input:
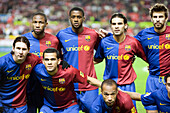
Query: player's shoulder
column 146, row 31
column 27, row 35
column 124, row 97
column 32, row 58
column 6, row 58
column 90, row 30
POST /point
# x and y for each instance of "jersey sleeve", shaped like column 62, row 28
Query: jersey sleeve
column 139, row 35
column 97, row 41
column 148, row 99
column 99, row 53
column 79, row 76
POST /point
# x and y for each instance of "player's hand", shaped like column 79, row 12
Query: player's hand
column 103, row 33
column 64, row 64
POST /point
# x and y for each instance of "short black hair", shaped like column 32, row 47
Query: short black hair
column 21, row 39
column 40, row 13
column 108, row 82
column 76, row 9
column 52, row 50
column 120, row 16
column 166, row 77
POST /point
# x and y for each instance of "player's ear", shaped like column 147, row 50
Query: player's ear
column 126, row 27
column 46, row 24
column 59, row 61
column 84, row 18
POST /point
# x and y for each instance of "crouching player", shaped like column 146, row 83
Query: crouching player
column 58, row 84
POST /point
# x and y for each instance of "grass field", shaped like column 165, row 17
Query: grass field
column 142, row 73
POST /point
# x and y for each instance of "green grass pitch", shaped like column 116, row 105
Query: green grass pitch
column 140, row 69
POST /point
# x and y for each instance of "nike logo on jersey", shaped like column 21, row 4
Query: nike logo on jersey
column 109, row 47
column 67, row 40
column 162, row 104
column 43, row 79
column 150, row 38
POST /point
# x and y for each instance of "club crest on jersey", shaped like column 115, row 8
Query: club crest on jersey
column 117, row 108
column 61, row 80
column 127, row 47
column 48, row 43
column 87, row 38
column 167, row 36
column 28, row 67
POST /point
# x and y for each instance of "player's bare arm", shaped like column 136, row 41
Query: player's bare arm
column 134, row 95
column 94, row 81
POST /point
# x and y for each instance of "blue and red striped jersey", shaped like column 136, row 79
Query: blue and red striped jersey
column 59, row 88
column 118, row 57
column 37, row 46
column 157, row 49
column 159, row 98
column 123, row 104
column 78, row 50
column 14, row 78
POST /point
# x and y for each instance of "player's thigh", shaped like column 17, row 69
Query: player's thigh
column 46, row 109
column 71, row 109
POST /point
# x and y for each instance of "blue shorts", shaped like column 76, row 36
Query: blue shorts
column 86, row 98
column 22, row 109
column 154, row 83
column 71, row 109
column 129, row 87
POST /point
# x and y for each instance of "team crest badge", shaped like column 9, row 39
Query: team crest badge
column 61, row 80
column 127, row 47
column 48, row 43
column 167, row 36
column 87, row 38
column 117, row 108
column 28, row 67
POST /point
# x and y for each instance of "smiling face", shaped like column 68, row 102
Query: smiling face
column 118, row 26
column 109, row 93
column 20, row 52
column 159, row 20
column 38, row 24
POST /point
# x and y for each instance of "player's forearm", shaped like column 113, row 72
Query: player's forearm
column 94, row 81
column 134, row 95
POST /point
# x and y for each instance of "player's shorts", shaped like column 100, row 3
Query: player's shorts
column 154, row 83
column 86, row 98
column 71, row 109
column 22, row 109
column 129, row 87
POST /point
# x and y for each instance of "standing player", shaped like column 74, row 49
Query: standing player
column 111, row 100
column 156, row 44
column 59, row 94
column 78, row 44
column 160, row 98
column 119, row 49
column 15, row 69
column 39, row 41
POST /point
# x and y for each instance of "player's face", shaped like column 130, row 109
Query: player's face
column 38, row 24
column 76, row 19
column 51, row 62
column 159, row 20
column 109, row 94
column 168, row 85
column 118, row 26
column 20, row 52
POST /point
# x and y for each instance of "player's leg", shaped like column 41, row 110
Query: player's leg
column 22, row 109
column 153, row 83
column 71, row 109
column 86, row 98
column 46, row 109
column 129, row 87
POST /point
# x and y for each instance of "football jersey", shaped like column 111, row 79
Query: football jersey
column 159, row 98
column 118, row 57
column 123, row 104
column 59, row 88
column 37, row 46
column 78, row 50
column 157, row 50
column 14, row 78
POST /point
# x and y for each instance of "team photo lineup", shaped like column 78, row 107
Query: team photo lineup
column 54, row 70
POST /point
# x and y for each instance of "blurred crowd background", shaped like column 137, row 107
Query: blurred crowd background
column 15, row 15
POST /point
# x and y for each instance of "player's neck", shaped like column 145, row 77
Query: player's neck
column 119, row 38
column 160, row 30
column 53, row 72
column 78, row 31
column 40, row 36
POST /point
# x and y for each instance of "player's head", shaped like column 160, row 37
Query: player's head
column 76, row 16
column 51, row 59
column 39, row 22
column 20, row 49
column 118, row 24
column 109, row 91
column 167, row 84
column 159, row 15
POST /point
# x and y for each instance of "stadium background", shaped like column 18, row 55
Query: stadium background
column 15, row 18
